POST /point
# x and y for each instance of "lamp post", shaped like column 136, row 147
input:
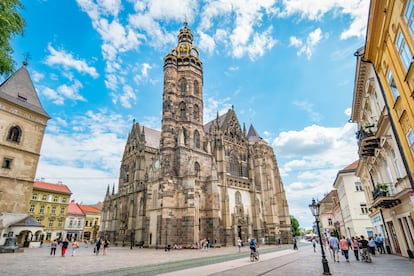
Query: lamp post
column 315, row 209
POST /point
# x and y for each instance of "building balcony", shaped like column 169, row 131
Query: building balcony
column 367, row 142
column 382, row 197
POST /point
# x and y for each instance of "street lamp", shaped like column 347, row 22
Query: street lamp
column 315, row 209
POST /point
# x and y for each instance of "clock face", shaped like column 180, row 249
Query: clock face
column 194, row 53
column 156, row 164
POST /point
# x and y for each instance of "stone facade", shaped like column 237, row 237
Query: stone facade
column 193, row 181
column 22, row 125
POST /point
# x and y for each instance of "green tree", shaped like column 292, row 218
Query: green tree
column 295, row 226
column 11, row 24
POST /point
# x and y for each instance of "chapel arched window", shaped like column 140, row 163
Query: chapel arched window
column 196, row 113
column 196, row 88
column 197, row 139
column 182, row 110
column 238, row 198
column 197, row 168
column 15, row 134
column 183, row 86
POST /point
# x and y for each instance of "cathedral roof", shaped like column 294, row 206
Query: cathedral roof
column 152, row 137
column 19, row 89
column 253, row 135
column 220, row 119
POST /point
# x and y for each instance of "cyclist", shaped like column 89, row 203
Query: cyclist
column 253, row 246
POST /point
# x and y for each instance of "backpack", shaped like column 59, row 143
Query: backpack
column 252, row 243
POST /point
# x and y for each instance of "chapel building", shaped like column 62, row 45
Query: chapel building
column 193, row 181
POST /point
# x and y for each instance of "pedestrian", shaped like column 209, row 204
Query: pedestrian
column 65, row 245
column 314, row 244
column 344, row 246
column 334, row 246
column 363, row 244
column 98, row 246
column 355, row 247
column 53, row 246
column 371, row 245
column 295, row 244
column 380, row 243
column 105, row 246
column 239, row 244
column 75, row 246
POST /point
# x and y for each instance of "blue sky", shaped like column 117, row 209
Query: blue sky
column 287, row 66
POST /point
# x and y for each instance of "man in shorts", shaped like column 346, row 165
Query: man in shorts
column 334, row 245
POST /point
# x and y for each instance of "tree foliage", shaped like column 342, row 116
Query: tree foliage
column 295, row 226
column 11, row 24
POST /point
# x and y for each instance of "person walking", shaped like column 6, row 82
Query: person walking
column 75, row 246
column 380, row 243
column 105, row 246
column 334, row 245
column 363, row 244
column 344, row 246
column 98, row 246
column 53, row 246
column 295, row 244
column 355, row 247
column 65, row 245
column 314, row 244
column 239, row 244
column 371, row 245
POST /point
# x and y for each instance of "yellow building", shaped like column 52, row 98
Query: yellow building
column 92, row 222
column 383, row 107
column 390, row 48
column 49, row 206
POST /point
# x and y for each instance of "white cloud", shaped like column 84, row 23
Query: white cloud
column 214, row 105
column 84, row 152
column 311, row 41
column 295, row 42
column 52, row 95
column 308, row 107
column 128, row 96
column 71, row 91
column 316, row 9
column 68, row 61
column 37, row 76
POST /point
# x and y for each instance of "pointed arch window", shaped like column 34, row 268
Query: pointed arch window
column 196, row 88
column 196, row 113
column 197, row 168
column 183, row 86
column 197, row 139
column 238, row 198
column 182, row 110
column 15, row 134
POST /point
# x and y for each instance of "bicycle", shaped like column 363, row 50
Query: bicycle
column 254, row 255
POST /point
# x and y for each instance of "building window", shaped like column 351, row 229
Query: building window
column 63, row 199
column 50, row 198
column 409, row 15
column 397, row 167
column 71, row 223
column 358, row 186
column 196, row 89
column 51, row 223
column 238, row 198
column 182, row 110
column 42, row 209
column 54, row 210
column 364, row 208
column 86, row 223
column 392, row 85
column 32, row 208
column 410, row 137
column 196, row 112
column 330, row 222
column 60, row 223
column 183, row 86
column 6, row 163
column 403, row 50
column 55, row 199
column 62, row 210
column 34, row 197
column 44, row 197
column 197, row 168
column 196, row 139
column 14, row 134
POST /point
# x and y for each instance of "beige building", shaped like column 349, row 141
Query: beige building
column 381, row 108
column 193, row 181
column 22, row 125
column 49, row 206
column 92, row 222
column 353, row 204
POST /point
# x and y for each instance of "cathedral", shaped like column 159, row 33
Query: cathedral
column 193, row 181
